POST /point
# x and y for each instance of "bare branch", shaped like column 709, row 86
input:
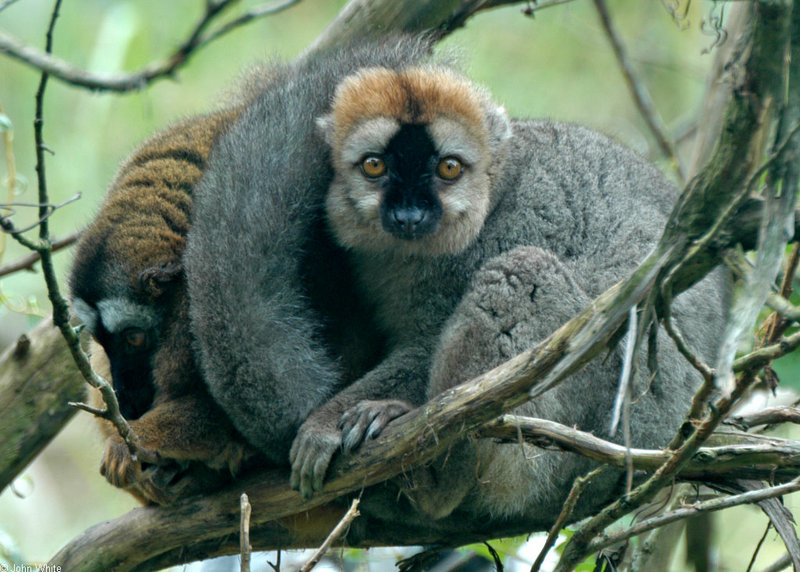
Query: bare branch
column 27, row 262
column 244, row 533
column 761, row 357
column 770, row 416
column 335, row 534
column 750, row 497
column 166, row 68
column 60, row 305
column 753, row 457
column 639, row 92
column 564, row 517
column 6, row 3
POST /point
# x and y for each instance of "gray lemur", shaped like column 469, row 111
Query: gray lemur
column 475, row 237
column 277, row 322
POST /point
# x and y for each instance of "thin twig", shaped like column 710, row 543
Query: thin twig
column 769, row 416
column 759, row 358
column 26, row 262
column 624, row 383
column 566, row 513
column 250, row 15
column 244, row 530
column 758, row 547
column 43, row 247
column 750, row 497
column 6, row 3
column 639, row 92
column 337, row 532
column 46, row 210
column 682, row 345
column 783, row 307
column 123, row 82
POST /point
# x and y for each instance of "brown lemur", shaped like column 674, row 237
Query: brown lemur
column 474, row 237
column 129, row 285
column 128, row 288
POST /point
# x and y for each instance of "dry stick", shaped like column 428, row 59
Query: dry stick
column 750, row 497
column 73, row 75
column 244, row 530
column 43, row 247
column 783, row 307
column 566, row 513
column 26, row 262
column 758, row 547
column 753, row 456
column 337, row 532
column 780, row 564
column 777, row 324
column 639, row 92
column 6, row 3
column 770, row 416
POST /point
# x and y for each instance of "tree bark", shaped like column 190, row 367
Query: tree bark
column 37, row 380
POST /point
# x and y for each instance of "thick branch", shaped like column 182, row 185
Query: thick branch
column 37, row 379
column 368, row 18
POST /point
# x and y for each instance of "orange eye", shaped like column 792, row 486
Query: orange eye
column 373, row 167
column 135, row 338
column 449, row 168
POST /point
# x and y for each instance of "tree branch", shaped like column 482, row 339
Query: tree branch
column 27, row 262
column 747, row 455
column 37, row 379
column 641, row 96
column 750, row 497
column 334, row 536
column 719, row 187
column 167, row 68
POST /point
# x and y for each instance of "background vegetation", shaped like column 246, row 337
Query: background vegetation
column 558, row 64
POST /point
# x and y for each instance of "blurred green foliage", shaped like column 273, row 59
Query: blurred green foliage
column 558, row 65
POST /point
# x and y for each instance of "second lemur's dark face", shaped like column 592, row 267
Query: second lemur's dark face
column 411, row 151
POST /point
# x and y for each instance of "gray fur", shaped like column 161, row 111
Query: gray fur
column 120, row 313
column 573, row 213
column 265, row 285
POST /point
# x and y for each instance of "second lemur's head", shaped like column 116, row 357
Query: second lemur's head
column 414, row 152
